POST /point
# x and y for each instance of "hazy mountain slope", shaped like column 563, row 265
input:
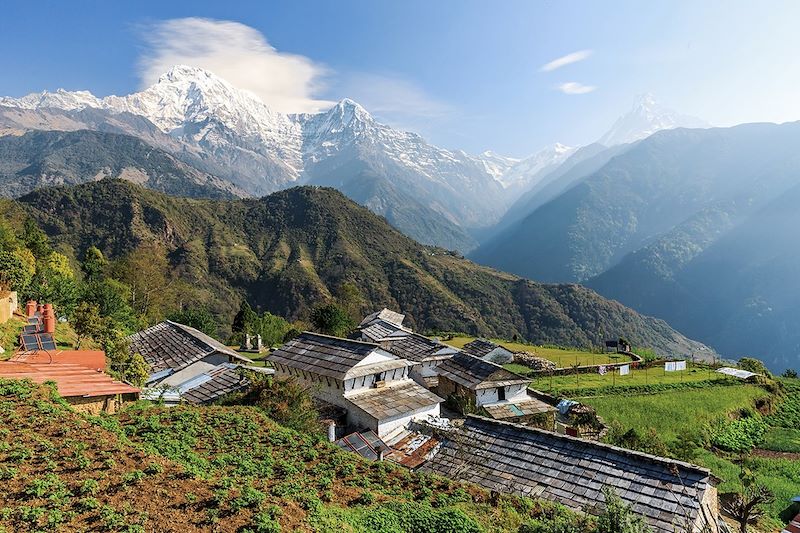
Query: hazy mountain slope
column 578, row 165
column 640, row 195
column 288, row 251
column 34, row 159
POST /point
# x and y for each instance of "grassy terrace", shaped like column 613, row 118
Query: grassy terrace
column 562, row 357
column 572, row 384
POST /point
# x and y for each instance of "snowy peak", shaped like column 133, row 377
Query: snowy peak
column 531, row 170
column 645, row 118
column 61, row 99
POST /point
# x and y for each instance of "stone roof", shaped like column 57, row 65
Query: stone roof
column 393, row 399
column 418, row 348
column 474, row 373
column 384, row 314
column 172, row 345
column 381, row 329
column 221, row 381
column 481, row 347
column 323, row 355
column 532, row 462
column 526, row 407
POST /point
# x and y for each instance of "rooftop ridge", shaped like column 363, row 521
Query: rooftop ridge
column 501, row 367
column 623, row 451
column 324, row 336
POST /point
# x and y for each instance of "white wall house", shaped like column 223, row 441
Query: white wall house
column 373, row 385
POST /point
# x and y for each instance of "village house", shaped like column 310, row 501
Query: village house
column 517, row 459
column 187, row 365
column 370, row 383
column 79, row 375
column 489, row 351
column 425, row 354
column 478, row 384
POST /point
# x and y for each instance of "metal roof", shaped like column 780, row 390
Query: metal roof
column 322, row 354
column 393, row 399
column 72, row 380
column 525, row 407
column 92, row 359
column 475, row 373
column 532, row 462
column 172, row 345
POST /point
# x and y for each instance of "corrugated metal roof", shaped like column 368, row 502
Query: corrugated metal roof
column 532, row 462
column 72, row 380
column 92, row 359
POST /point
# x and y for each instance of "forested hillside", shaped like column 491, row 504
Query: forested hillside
column 33, row 159
column 295, row 249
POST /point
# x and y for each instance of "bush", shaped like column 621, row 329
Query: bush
column 754, row 365
column 739, row 435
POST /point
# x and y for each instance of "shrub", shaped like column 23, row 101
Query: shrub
column 739, row 435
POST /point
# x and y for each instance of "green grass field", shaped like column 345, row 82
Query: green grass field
column 671, row 412
column 563, row 358
column 637, row 377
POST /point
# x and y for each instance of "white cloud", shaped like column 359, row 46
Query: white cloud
column 573, row 87
column 568, row 59
column 237, row 53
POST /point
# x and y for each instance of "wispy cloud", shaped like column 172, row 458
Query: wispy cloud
column 237, row 53
column 563, row 61
column 573, row 87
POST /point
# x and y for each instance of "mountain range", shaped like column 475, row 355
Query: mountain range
column 441, row 197
column 694, row 226
column 288, row 251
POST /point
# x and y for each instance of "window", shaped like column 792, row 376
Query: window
column 501, row 393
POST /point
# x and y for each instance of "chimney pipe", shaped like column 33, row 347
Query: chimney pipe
column 49, row 323
column 30, row 308
column 332, row 430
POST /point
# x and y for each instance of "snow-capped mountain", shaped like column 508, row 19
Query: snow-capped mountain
column 238, row 137
column 527, row 173
column 645, row 118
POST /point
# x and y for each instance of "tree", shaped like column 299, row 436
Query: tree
column 790, row 373
column 94, row 264
column 146, row 271
column 35, row 239
column 121, row 362
column 746, row 506
column 8, row 239
column 111, row 297
column 618, row 517
column 87, row 323
column 283, row 400
column 332, row 320
column 245, row 319
column 199, row 319
column 754, row 365
column 350, row 300
column 16, row 272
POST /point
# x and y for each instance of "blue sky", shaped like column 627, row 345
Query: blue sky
column 464, row 74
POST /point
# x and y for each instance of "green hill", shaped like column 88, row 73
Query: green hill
column 222, row 469
column 289, row 251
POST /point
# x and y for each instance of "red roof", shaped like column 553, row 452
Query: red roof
column 92, row 359
column 73, row 380
column 793, row 526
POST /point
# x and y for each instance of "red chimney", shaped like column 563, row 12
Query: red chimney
column 49, row 323
column 48, row 310
column 30, row 308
